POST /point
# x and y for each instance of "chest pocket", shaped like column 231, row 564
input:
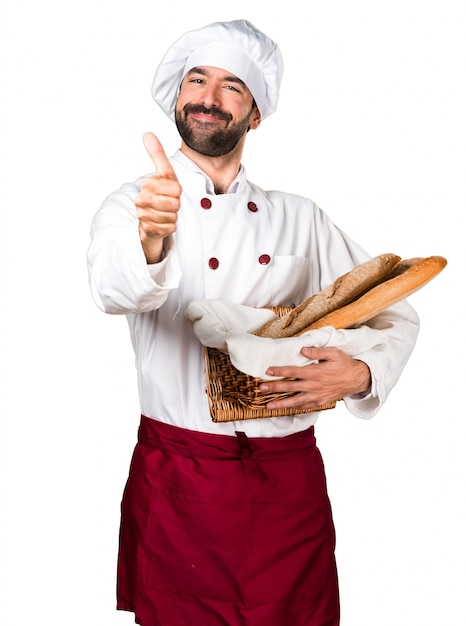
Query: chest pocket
column 290, row 279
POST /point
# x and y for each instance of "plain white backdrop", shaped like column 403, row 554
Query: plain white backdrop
column 371, row 125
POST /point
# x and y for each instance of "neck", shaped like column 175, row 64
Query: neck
column 221, row 170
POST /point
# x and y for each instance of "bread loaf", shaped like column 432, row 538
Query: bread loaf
column 406, row 277
column 338, row 294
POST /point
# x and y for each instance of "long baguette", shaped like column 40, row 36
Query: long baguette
column 407, row 277
column 342, row 291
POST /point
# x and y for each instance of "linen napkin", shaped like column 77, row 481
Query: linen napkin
column 228, row 326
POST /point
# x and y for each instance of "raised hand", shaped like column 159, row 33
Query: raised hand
column 158, row 202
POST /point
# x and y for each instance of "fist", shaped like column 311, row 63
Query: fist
column 158, row 202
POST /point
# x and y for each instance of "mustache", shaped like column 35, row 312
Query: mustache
column 213, row 111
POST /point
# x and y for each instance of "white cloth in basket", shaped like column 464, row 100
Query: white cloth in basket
column 227, row 326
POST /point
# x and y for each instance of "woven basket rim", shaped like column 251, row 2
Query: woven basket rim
column 234, row 395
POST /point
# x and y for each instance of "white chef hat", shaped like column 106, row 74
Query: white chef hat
column 237, row 47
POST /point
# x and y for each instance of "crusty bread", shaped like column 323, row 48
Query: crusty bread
column 336, row 295
column 401, row 267
column 407, row 277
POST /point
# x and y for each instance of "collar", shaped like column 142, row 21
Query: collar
column 237, row 184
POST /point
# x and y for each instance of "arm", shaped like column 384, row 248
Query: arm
column 132, row 259
column 363, row 383
column 337, row 376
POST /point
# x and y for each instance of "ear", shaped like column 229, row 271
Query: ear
column 255, row 119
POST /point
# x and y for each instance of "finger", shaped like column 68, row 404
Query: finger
column 157, row 154
column 319, row 354
column 148, row 215
column 285, row 371
column 160, row 187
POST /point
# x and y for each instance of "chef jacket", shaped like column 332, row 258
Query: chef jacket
column 248, row 246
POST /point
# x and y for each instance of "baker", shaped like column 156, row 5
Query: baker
column 227, row 523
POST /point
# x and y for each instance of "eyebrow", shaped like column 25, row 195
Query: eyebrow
column 228, row 77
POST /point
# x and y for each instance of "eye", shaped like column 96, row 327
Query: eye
column 233, row 88
column 197, row 81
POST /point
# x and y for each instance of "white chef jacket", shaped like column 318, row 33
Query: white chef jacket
column 249, row 246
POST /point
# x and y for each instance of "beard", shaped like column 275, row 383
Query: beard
column 208, row 139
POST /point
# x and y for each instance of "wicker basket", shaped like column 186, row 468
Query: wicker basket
column 234, row 395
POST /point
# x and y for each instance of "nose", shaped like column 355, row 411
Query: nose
column 211, row 95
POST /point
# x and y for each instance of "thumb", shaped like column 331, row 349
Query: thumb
column 157, row 154
column 314, row 354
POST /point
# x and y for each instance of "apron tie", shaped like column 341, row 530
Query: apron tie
column 247, row 455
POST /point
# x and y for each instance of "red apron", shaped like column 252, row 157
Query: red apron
column 226, row 531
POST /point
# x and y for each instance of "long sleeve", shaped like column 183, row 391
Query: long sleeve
column 121, row 281
column 400, row 326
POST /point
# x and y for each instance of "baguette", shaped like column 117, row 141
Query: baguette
column 407, row 277
column 341, row 292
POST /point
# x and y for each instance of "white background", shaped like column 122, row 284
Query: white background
column 371, row 125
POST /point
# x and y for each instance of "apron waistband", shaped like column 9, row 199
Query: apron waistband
column 191, row 443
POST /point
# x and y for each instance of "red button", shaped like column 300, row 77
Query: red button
column 206, row 203
column 252, row 206
column 213, row 263
column 264, row 259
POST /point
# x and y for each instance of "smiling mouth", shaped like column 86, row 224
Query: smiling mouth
column 206, row 119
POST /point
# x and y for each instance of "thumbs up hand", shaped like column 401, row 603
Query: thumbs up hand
column 158, row 202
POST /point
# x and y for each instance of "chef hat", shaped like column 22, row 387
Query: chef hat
column 237, row 47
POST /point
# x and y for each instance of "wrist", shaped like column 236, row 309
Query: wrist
column 364, row 379
column 153, row 249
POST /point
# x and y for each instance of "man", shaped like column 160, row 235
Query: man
column 227, row 523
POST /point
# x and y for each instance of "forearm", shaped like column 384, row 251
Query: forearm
column 360, row 366
column 121, row 279
column 131, row 286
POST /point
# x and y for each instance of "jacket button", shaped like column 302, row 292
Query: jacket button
column 213, row 263
column 252, row 206
column 206, row 203
column 264, row 259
